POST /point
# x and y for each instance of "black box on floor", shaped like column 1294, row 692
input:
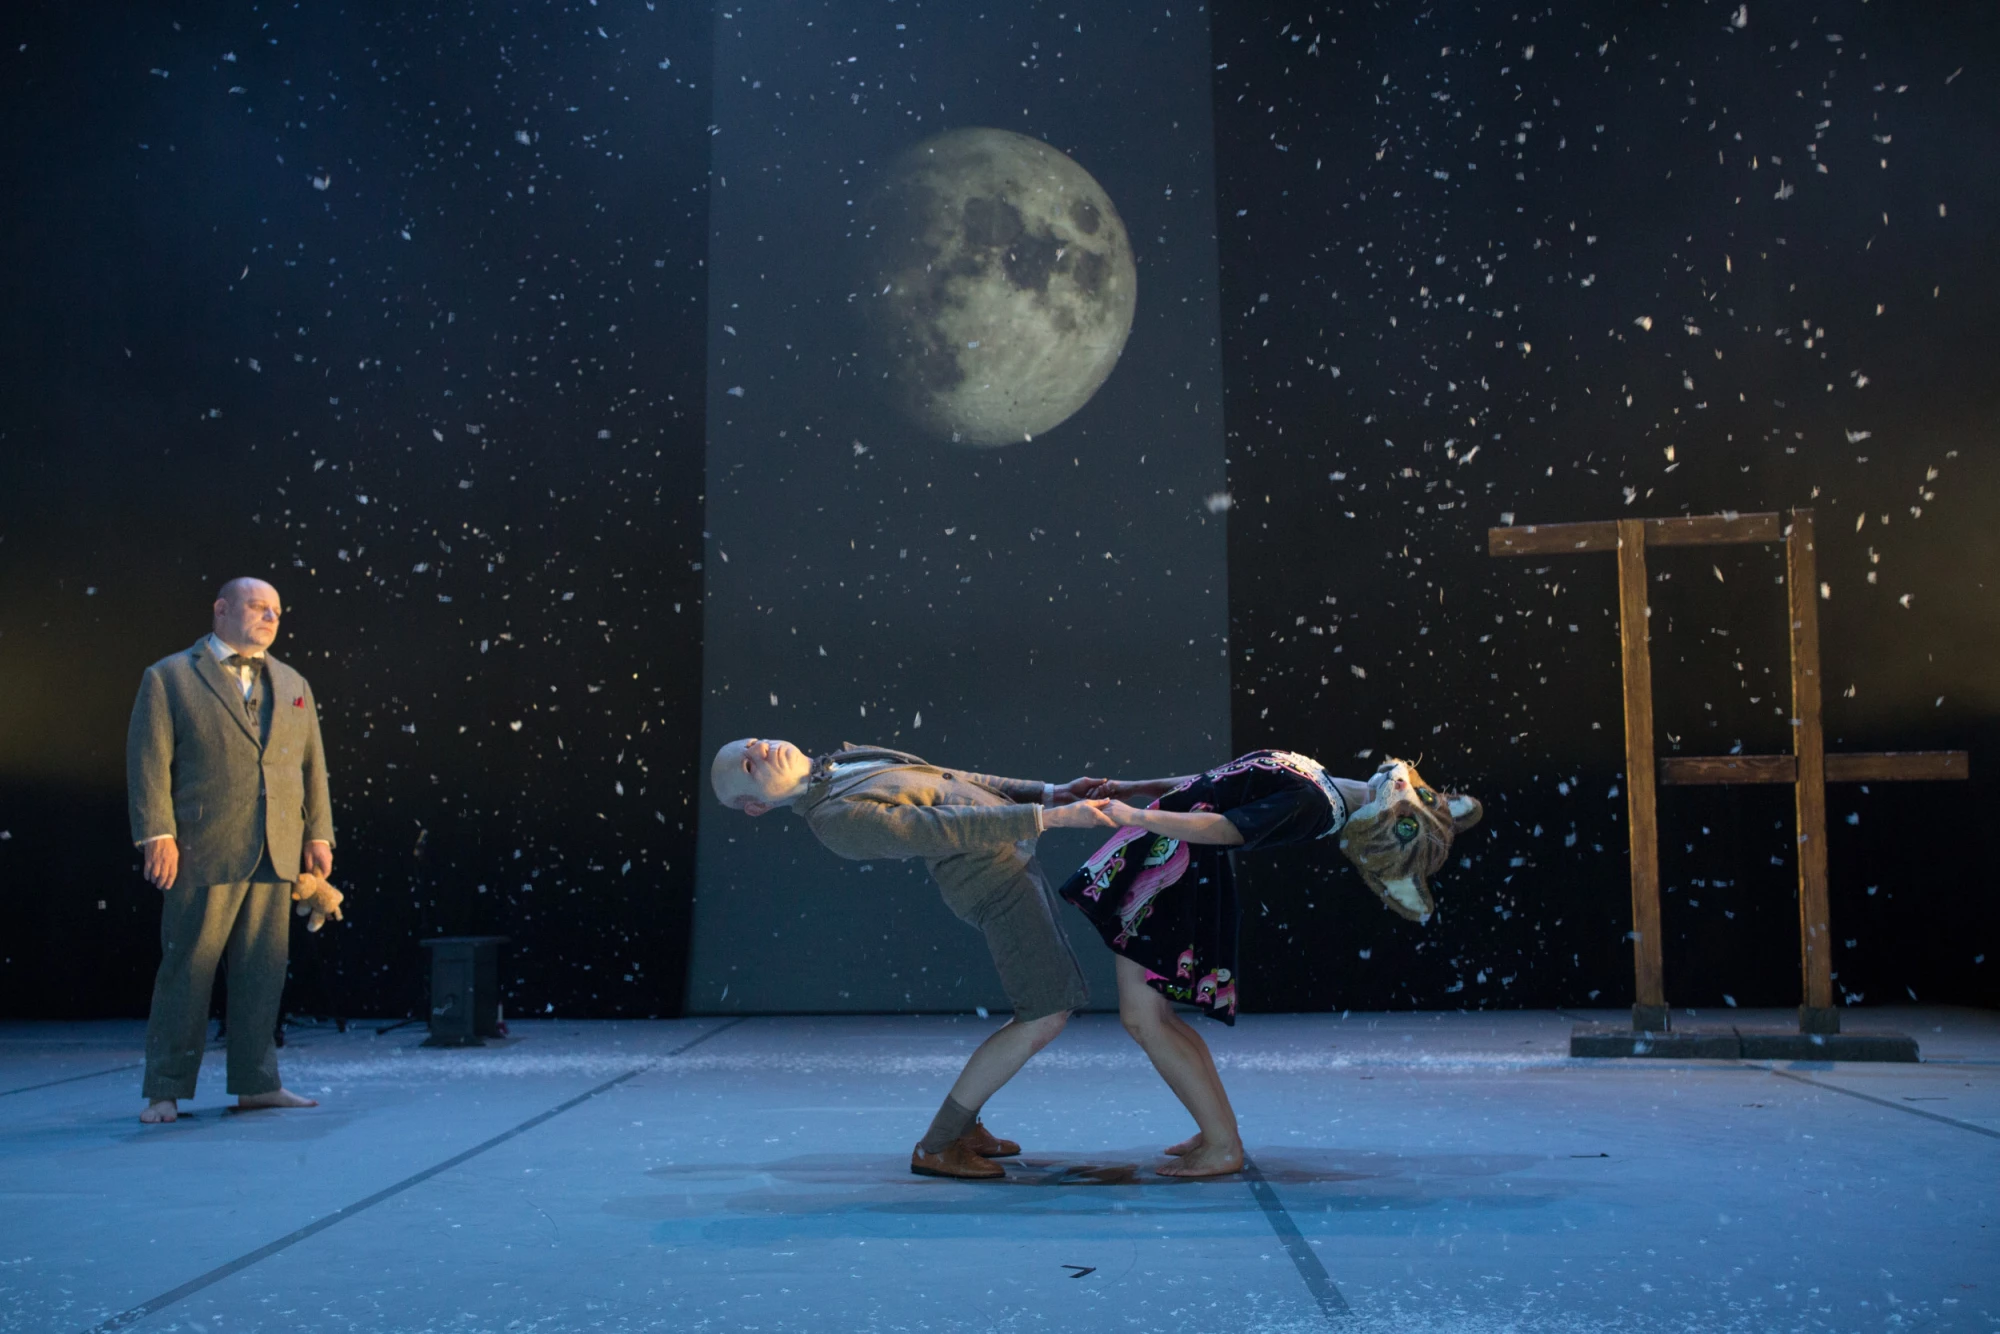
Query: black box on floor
column 465, row 990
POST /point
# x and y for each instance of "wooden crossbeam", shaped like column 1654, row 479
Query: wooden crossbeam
column 1808, row 768
column 1882, row 766
column 1692, row 530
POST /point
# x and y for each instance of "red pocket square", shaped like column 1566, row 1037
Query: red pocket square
column 299, row 703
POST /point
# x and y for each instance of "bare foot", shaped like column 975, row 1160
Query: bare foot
column 1206, row 1162
column 1185, row 1147
column 160, row 1111
column 276, row 1098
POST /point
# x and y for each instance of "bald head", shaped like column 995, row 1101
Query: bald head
column 246, row 614
column 755, row 775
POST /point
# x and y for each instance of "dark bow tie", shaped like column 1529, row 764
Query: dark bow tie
column 237, row 660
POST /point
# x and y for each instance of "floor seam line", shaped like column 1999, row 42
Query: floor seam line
column 1884, row 1102
column 1311, row 1271
column 95, row 1074
column 188, row 1289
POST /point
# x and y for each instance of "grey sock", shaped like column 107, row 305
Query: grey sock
column 951, row 1121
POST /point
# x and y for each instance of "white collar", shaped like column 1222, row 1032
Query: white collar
column 223, row 652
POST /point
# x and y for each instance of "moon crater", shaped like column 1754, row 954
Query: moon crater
column 1002, row 286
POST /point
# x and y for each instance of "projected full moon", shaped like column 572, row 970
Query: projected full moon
column 1002, row 286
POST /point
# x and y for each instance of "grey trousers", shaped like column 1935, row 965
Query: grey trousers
column 252, row 922
column 1008, row 898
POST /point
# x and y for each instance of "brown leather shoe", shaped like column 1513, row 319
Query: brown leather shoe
column 986, row 1144
column 958, row 1161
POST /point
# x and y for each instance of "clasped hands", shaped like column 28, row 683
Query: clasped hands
column 1090, row 803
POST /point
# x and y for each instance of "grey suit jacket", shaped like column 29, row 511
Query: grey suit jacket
column 196, row 769
column 965, row 826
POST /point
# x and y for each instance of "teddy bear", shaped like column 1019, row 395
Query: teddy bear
column 316, row 899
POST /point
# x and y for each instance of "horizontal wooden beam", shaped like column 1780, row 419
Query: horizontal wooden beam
column 1892, row 766
column 1692, row 770
column 1897, row 766
column 1692, row 530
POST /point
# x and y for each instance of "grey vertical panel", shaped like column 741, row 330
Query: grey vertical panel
column 1041, row 609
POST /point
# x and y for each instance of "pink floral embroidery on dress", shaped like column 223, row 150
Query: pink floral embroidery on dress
column 1105, row 864
column 1164, row 864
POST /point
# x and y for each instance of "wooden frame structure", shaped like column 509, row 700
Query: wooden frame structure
column 1808, row 768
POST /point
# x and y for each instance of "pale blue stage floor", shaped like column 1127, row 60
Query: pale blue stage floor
column 1420, row 1172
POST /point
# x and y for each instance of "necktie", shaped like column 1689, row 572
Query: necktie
column 236, row 662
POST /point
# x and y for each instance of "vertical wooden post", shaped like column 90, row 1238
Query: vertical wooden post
column 1649, row 1011
column 1817, row 1014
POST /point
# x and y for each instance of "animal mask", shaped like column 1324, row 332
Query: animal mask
column 1403, row 836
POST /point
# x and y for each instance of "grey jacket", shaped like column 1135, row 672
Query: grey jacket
column 196, row 769
column 960, row 823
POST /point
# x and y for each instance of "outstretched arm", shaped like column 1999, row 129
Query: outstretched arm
column 1139, row 789
column 1027, row 790
column 1035, row 791
column 863, row 830
column 1188, row 826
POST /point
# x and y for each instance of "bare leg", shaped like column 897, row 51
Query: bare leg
column 1001, row 1057
column 1184, row 1061
column 160, row 1111
column 1192, row 1142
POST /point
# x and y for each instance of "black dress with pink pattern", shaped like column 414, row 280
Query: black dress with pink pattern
column 1170, row 906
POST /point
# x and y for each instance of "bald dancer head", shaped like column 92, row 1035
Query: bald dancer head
column 756, row 776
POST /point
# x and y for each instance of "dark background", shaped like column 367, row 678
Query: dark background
column 498, row 343
column 1374, row 169
column 1038, row 609
column 542, row 469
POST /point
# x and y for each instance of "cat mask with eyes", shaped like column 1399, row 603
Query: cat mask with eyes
column 1403, row 836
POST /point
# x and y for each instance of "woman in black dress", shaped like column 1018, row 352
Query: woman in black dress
column 1166, row 904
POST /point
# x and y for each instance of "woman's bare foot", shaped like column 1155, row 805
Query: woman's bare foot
column 160, row 1111
column 1205, row 1161
column 275, row 1098
column 1185, row 1147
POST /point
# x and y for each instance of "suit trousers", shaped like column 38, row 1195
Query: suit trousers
column 251, row 921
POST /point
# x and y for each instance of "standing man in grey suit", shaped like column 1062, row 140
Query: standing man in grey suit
column 226, row 779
